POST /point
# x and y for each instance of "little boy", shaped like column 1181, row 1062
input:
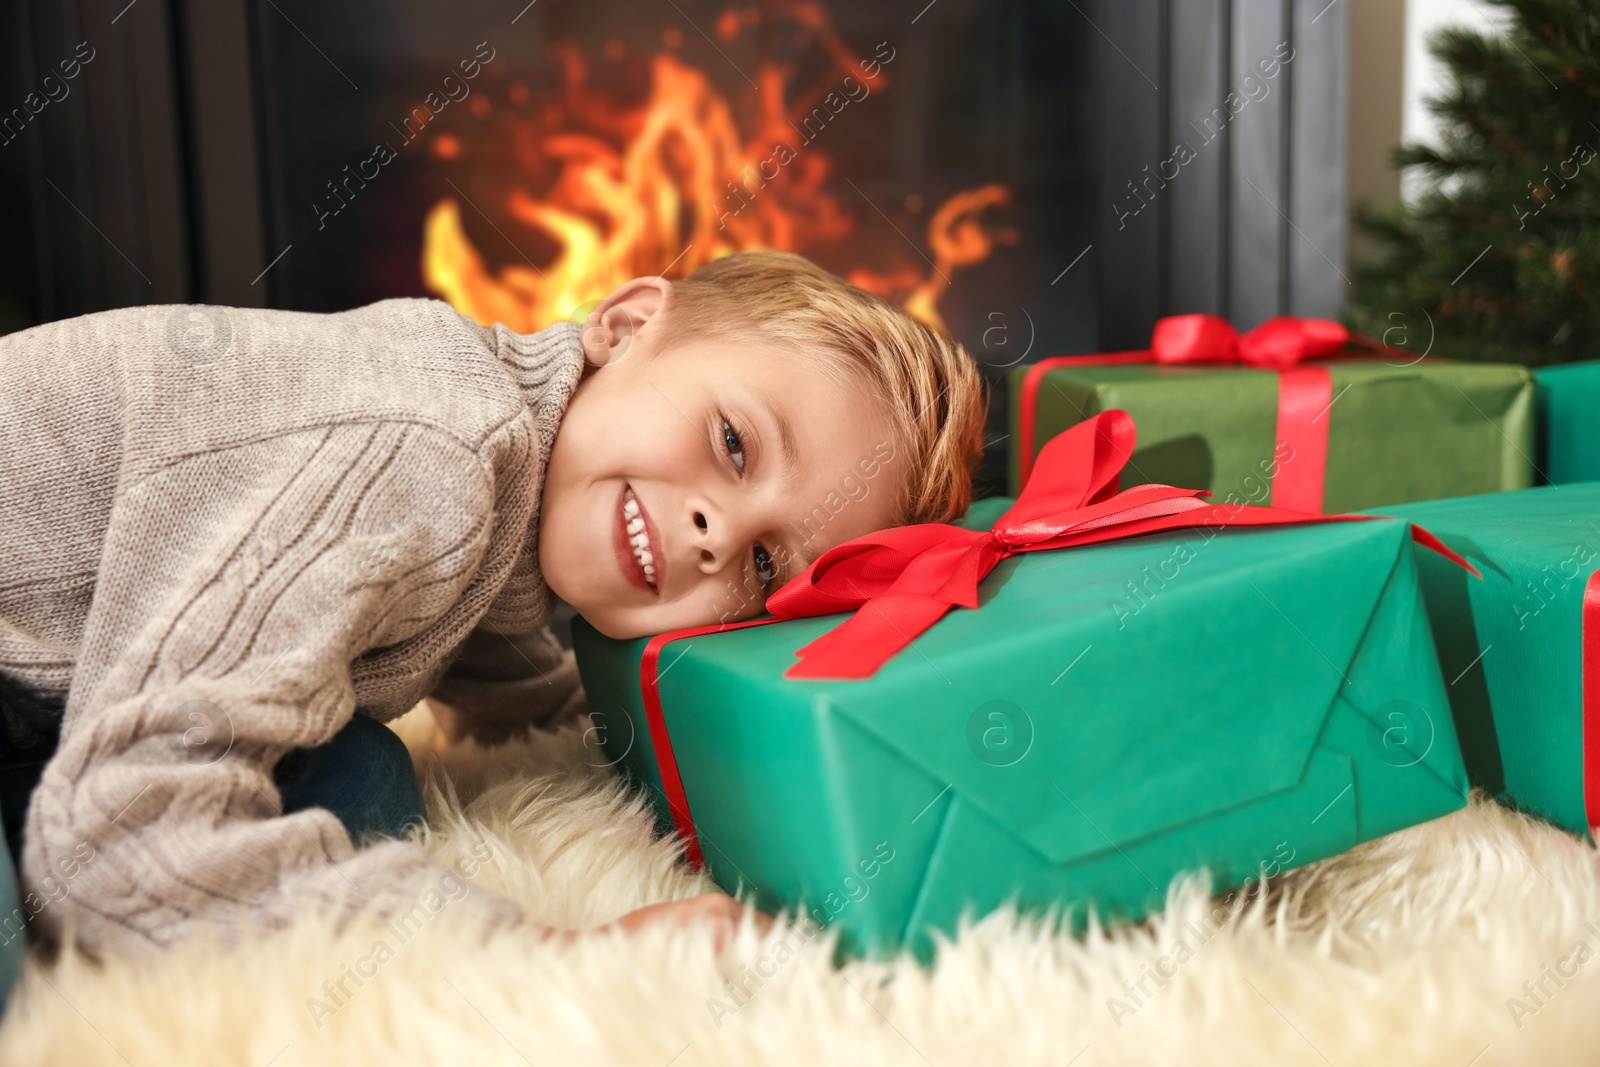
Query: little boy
column 222, row 558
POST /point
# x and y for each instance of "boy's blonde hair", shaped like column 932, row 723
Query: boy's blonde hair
column 936, row 398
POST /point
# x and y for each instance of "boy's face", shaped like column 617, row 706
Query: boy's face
column 693, row 439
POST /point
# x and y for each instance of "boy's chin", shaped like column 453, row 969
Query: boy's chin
column 628, row 625
column 618, row 625
column 611, row 628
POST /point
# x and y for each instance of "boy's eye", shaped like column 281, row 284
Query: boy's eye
column 766, row 570
column 734, row 444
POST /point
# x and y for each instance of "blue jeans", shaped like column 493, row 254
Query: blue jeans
column 363, row 775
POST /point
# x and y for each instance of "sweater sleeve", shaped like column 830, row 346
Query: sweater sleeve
column 235, row 590
column 504, row 684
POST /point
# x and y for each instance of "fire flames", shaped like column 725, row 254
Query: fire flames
column 671, row 183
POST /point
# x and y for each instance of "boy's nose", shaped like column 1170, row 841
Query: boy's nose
column 717, row 539
column 706, row 555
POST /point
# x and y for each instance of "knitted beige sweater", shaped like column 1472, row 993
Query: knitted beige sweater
column 222, row 533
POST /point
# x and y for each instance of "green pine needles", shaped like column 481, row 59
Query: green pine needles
column 1500, row 258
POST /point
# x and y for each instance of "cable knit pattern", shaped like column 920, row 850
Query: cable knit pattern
column 226, row 531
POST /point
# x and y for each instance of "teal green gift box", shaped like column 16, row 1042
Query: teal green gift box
column 1569, row 422
column 1110, row 717
column 1520, row 650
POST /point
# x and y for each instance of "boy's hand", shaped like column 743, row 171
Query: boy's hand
column 452, row 727
column 717, row 908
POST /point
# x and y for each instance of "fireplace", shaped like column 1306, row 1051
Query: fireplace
column 1008, row 169
column 522, row 163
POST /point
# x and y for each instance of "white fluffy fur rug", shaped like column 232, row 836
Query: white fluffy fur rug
column 1472, row 940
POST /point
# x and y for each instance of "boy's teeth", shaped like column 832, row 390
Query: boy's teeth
column 637, row 537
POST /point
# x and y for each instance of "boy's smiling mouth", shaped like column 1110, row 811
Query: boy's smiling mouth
column 638, row 544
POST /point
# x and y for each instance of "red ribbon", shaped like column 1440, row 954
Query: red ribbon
column 1282, row 344
column 1591, row 699
column 666, row 761
column 902, row 580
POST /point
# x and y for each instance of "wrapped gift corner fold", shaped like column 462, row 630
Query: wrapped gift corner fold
column 1067, row 731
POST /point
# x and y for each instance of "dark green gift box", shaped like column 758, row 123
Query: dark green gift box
column 1395, row 434
column 1511, row 647
column 1569, row 417
column 1109, row 717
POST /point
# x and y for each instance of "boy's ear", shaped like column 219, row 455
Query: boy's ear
column 616, row 321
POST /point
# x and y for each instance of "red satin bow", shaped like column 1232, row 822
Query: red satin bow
column 1276, row 344
column 903, row 580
